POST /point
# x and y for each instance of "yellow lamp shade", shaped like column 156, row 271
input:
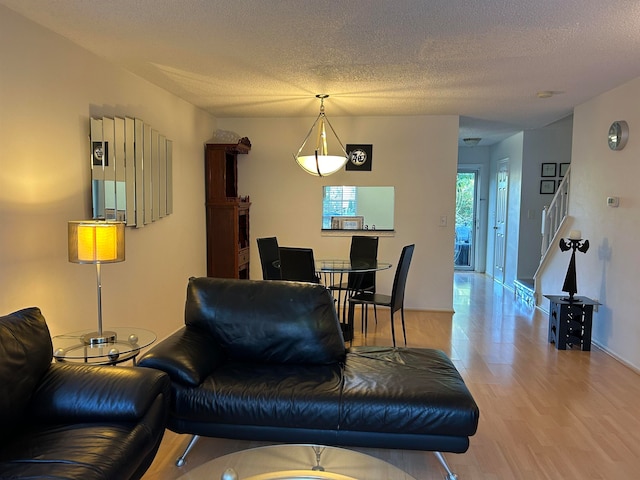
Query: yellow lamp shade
column 93, row 241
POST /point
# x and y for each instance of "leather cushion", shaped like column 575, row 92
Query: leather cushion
column 267, row 321
column 406, row 390
column 25, row 355
column 287, row 396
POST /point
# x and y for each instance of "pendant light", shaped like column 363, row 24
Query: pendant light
column 320, row 163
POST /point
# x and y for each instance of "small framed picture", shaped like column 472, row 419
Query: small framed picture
column 563, row 169
column 549, row 169
column 547, row 186
column 347, row 223
column 360, row 157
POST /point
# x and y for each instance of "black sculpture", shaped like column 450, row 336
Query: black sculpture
column 570, row 282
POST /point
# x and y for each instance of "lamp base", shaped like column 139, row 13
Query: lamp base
column 95, row 338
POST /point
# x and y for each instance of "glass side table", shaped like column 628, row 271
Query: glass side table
column 71, row 347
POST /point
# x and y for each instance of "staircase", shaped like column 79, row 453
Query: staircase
column 553, row 218
column 525, row 291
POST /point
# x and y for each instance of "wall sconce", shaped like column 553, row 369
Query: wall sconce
column 320, row 163
column 97, row 242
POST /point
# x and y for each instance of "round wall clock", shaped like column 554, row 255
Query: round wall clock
column 618, row 135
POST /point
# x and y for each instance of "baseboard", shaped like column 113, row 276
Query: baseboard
column 616, row 357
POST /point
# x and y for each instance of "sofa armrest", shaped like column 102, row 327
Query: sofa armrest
column 189, row 356
column 75, row 393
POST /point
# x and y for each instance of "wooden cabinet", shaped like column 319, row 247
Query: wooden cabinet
column 227, row 214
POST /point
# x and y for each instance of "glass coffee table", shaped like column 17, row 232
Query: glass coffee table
column 126, row 345
column 299, row 462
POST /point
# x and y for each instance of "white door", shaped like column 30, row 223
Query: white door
column 500, row 227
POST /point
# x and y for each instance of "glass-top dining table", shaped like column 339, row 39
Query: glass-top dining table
column 333, row 271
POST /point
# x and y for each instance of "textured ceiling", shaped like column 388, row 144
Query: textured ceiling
column 484, row 60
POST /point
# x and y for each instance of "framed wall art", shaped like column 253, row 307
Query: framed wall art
column 547, row 186
column 563, row 169
column 549, row 169
column 360, row 157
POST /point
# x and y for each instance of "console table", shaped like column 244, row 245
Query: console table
column 570, row 321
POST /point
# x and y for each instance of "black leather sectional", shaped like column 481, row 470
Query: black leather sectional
column 266, row 360
column 73, row 421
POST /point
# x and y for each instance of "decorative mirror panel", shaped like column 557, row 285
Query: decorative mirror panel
column 131, row 171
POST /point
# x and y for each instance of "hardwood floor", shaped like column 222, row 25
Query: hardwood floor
column 544, row 413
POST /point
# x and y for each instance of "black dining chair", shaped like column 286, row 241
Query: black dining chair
column 394, row 302
column 269, row 256
column 298, row 265
column 365, row 249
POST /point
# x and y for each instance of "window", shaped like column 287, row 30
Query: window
column 357, row 208
column 338, row 201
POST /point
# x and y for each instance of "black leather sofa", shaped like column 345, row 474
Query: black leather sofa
column 266, row 360
column 73, row 421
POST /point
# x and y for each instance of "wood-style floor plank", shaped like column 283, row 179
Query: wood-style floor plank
column 544, row 413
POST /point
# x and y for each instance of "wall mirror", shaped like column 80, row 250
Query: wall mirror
column 357, row 208
column 131, row 171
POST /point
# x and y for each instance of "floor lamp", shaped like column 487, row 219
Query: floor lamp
column 97, row 242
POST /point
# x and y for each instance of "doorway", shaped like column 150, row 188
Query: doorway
column 465, row 230
column 500, row 227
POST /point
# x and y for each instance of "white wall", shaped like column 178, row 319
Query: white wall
column 49, row 88
column 417, row 155
column 608, row 272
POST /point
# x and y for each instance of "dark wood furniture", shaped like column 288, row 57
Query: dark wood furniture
column 227, row 213
column 570, row 322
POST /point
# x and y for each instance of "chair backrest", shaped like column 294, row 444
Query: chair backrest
column 297, row 264
column 363, row 248
column 268, row 250
column 400, row 279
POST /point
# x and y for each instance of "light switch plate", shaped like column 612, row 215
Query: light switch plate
column 613, row 201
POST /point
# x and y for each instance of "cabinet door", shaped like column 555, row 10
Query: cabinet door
column 222, row 241
column 221, row 172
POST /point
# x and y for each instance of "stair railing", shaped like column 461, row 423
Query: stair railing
column 554, row 214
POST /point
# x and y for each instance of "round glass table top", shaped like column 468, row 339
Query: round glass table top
column 346, row 265
column 125, row 343
column 300, row 462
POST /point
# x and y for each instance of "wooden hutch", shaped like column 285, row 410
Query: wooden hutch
column 227, row 214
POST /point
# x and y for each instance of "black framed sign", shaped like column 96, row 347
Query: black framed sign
column 360, row 157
